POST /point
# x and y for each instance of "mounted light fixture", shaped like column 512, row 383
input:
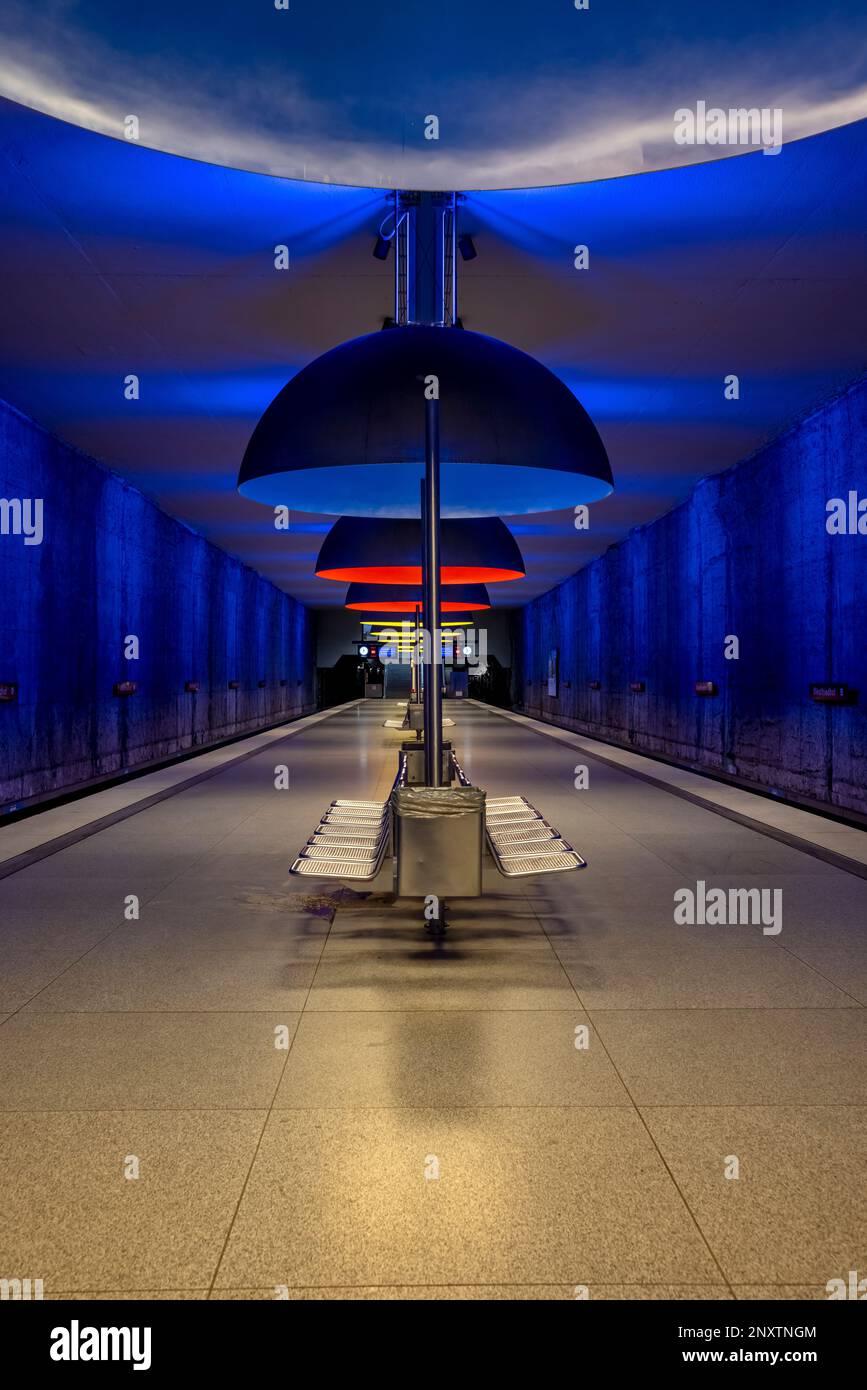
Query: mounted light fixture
column 343, row 436
column 382, row 245
column 371, row 550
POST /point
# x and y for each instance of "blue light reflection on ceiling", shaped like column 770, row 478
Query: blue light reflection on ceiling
column 159, row 261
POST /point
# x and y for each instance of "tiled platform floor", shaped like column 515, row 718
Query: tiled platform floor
column 291, row 1067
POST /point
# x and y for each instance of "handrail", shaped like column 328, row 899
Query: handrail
column 462, row 776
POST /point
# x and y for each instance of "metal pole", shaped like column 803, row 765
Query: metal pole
column 423, row 608
column 433, row 709
column 423, row 667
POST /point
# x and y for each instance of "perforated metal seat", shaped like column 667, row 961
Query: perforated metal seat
column 349, row 842
column 523, row 843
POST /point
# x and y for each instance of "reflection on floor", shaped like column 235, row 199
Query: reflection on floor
column 320, row 1102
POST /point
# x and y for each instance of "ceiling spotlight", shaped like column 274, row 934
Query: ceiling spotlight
column 381, row 247
column 466, row 246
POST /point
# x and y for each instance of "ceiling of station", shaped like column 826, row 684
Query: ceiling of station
column 117, row 259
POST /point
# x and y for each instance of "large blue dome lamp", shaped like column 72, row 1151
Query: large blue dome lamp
column 342, row 437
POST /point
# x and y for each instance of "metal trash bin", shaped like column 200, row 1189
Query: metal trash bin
column 439, row 833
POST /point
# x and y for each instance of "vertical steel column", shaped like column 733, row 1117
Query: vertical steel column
column 423, row 673
column 433, row 702
column 416, row 656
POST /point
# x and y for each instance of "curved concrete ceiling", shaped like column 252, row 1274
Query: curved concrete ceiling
column 116, row 259
column 524, row 94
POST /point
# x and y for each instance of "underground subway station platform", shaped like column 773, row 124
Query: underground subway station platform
column 433, row 755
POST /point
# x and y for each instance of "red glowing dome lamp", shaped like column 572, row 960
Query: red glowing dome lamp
column 404, row 598
column 370, row 550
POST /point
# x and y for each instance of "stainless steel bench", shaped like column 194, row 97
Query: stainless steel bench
column 523, row 843
column 351, row 839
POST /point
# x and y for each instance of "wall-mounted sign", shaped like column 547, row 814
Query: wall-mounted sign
column 834, row 694
column 637, row 687
column 234, row 685
column 125, row 688
column 8, row 692
column 554, row 672
column 191, row 687
column 595, row 685
column 706, row 688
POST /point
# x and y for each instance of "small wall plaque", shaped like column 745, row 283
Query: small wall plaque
column 834, row 694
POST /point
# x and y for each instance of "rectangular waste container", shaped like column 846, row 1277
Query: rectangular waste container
column 439, row 835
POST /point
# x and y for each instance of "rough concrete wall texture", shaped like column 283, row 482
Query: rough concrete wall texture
column 112, row 565
column 748, row 555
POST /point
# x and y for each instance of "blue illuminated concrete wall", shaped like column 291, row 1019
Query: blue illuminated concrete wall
column 111, row 564
column 748, row 555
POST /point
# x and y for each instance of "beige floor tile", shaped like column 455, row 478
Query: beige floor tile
column 227, row 867
column 796, row 1292
column 59, row 928
column 610, row 913
column 844, row 966
column 602, row 932
column 25, row 970
column 141, row 1061
column 237, row 925
column 796, row 1214
column 739, row 1057
column 447, row 1059
column 523, row 1196
column 130, row 1296
column 131, row 862
column 828, row 906
column 131, row 977
column 699, row 979
column 547, row 1293
column 728, row 849
column 71, row 1218
column 446, row 978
